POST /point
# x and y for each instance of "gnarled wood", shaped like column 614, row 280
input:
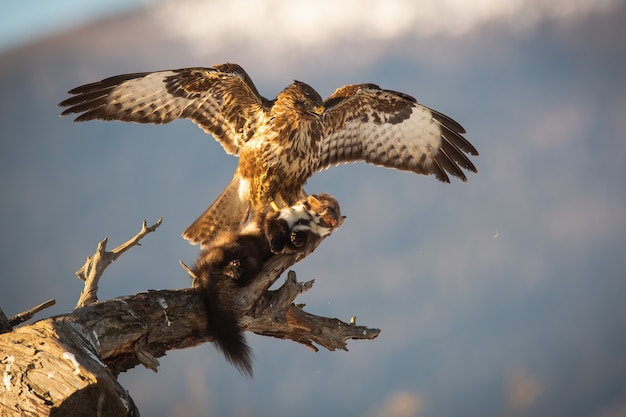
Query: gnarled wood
column 50, row 369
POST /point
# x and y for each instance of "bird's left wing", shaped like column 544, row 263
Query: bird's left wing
column 366, row 123
column 222, row 100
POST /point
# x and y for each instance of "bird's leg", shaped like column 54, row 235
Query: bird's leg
column 277, row 203
column 273, row 205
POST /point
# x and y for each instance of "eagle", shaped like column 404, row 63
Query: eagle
column 282, row 142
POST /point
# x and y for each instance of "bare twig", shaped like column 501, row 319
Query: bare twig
column 28, row 314
column 275, row 315
column 95, row 265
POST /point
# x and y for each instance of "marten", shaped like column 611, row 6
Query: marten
column 233, row 259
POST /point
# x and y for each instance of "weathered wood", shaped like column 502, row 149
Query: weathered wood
column 49, row 369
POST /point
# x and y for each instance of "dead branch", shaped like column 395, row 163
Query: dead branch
column 28, row 314
column 95, row 265
column 275, row 315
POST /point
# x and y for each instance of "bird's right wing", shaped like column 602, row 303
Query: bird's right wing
column 222, row 100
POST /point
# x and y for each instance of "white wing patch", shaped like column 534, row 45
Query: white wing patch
column 385, row 128
column 147, row 98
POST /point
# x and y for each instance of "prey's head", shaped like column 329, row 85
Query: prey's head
column 324, row 212
column 317, row 213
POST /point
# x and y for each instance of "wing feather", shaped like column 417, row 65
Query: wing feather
column 222, row 100
column 388, row 128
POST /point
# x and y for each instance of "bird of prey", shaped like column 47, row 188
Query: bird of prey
column 281, row 142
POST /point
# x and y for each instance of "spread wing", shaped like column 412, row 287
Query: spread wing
column 366, row 123
column 222, row 100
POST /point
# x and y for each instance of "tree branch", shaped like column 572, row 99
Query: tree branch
column 95, row 265
column 28, row 314
column 275, row 315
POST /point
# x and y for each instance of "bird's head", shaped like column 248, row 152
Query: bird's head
column 302, row 98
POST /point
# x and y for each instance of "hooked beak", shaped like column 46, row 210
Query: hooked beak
column 319, row 110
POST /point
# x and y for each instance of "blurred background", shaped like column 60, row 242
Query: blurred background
column 503, row 296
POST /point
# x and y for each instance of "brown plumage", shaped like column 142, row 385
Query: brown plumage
column 282, row 142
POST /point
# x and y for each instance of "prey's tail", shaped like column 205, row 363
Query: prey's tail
column 227, row 213
column 223, row 326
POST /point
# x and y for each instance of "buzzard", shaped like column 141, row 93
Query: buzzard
column 281, row 142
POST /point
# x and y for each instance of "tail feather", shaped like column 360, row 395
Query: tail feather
column 228, row 212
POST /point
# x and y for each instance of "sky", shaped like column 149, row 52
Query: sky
column 23, row 21
column 28, row 20
column 499, row 296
